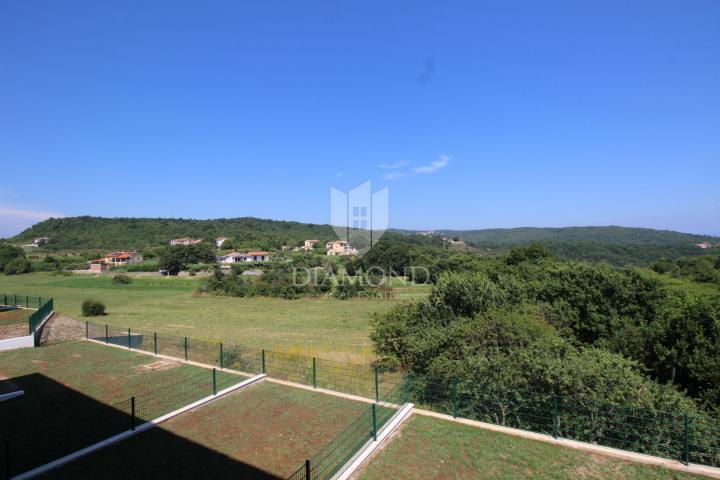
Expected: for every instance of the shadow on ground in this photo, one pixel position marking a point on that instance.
(52, 420)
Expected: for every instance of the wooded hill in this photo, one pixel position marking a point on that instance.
(616, 245)
(75, 233)
(606, 235)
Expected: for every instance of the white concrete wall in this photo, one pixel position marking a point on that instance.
(17, 342)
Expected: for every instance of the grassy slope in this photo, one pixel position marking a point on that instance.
(436, 449)
(333, 329)
(269, 428)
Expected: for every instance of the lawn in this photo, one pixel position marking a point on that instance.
(431, 448)
(261, 432)
(326, 328)
(70, 390)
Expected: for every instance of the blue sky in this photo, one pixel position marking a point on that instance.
(475, 114)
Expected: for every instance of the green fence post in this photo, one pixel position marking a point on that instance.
(107, 337)
(155, 342)
(556, 419)
(377, 386)
(221, 356)
(87, 330)
(307, 470)
(686, 449)
(129, 339)
(374, 422)
(39, 301)
(15, 303)
(186, 357)
(262, 357)
(453, 397)
(214, 382)
(314, 374)
(132, 413)
(27, 301)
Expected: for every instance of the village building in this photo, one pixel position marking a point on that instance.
(236, 257)
(38, 242)
(219, 241)
(704, 245)
(340, 248)
(115, 259)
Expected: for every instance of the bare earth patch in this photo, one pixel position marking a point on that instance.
(12, 331)
(160, 365)
(61, 328)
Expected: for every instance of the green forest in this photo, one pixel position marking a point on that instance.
(528, 321)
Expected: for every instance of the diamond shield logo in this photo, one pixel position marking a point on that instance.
(359, 218)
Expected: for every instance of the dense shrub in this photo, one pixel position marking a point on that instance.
(17, 265)
(93, 308)
(595, 311)
(121, 279)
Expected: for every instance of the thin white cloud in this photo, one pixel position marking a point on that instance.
(394, 175)
(441, 162)
(433, 167)
(27, 214)
(395, 166)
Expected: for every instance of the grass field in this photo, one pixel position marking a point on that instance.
(262, 432)
(431, 448)
(69, 389)
(333, 329)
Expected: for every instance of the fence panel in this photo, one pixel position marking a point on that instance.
(285, 366)
(171, 345)
(242, 359)
(204, 351)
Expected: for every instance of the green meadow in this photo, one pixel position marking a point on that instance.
(327, 328)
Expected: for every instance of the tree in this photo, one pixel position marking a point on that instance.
(177, 257)
(17, 265)
(9, 252)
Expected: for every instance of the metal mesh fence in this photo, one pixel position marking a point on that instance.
(666, 434)
(21, 453)
(42, 306)
(23, 301)
(336, 454)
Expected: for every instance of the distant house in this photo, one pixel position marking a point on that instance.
(309, 244)
(219, 241)
(118, 258)
(704, 245)
(185, 241)
(38, 242)
(235, 257)
(231, 257)
(257, 256)
(340, 248)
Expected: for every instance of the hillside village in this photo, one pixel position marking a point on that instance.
(124, 258)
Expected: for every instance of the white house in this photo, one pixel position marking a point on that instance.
(704, 245)
(219, 241)
(235, 257)
(257, 256)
